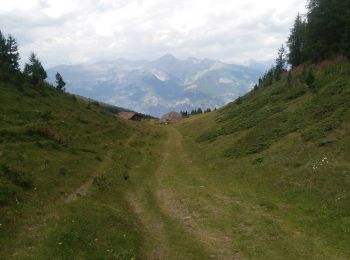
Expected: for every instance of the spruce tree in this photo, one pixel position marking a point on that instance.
(281, 63)
(35, 70)
(3, 50)
(60, 83)
(12, 53)
(326, 29)
(296, 42)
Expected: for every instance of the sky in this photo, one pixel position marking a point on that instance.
(81, 31)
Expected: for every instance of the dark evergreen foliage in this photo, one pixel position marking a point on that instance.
(296, 42)
(60, 82)
(281, 63)
(9, 55)
(324, 34)
(35, 70)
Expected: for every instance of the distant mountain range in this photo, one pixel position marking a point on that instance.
(156, 87)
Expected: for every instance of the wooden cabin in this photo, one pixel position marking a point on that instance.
(171, 117)
(129, 116)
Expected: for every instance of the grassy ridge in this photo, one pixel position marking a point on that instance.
(284, 151)
(54, 147)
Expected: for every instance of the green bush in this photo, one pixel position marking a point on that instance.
(17, 176)
(63, 171)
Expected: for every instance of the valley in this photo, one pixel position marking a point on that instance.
(175, 159)
(159, 86)
(141, 190)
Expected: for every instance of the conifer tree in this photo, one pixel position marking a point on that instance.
(326, 29)
(12, 53)
(3, 49)
(60, 83)
(9, 55)
(296, 42)
(35, 70)
(281, 63)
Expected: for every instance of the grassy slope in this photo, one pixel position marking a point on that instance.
(53, 147)
(277, 166)
(248, 181)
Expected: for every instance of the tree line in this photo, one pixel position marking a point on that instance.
(33, 70)
(196, 111)
(322, 33)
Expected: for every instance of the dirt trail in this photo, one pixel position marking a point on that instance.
(218, 244)
(83, 189)
(161, 211)
(155, 243)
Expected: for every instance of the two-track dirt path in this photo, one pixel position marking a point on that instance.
(171, 228)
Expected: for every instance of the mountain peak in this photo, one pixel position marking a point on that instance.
(167, 58)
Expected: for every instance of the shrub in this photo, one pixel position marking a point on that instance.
(17, 176)
(63, 171)
(101, 182)
(8, 192)
(238, 101)
(310, 79)
(46, 116)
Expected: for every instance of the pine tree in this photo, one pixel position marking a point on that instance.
(326, 29)
(3, 50)
(12, 53)
(281, 63)
(35, 70)
(60, 83)
(9, 55)
(296, 42)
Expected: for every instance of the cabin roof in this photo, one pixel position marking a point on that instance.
(126, 115)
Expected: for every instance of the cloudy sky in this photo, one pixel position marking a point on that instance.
(78, 31)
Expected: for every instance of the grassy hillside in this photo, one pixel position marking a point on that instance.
(266, 177)
(64, 171)
(280, 159)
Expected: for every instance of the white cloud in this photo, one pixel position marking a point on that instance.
(192, 87)
(75, 31)
(185, 101)
(225, 81)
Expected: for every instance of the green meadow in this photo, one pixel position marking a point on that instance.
(266, 177)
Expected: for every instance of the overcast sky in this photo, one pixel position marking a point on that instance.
(78, 31)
